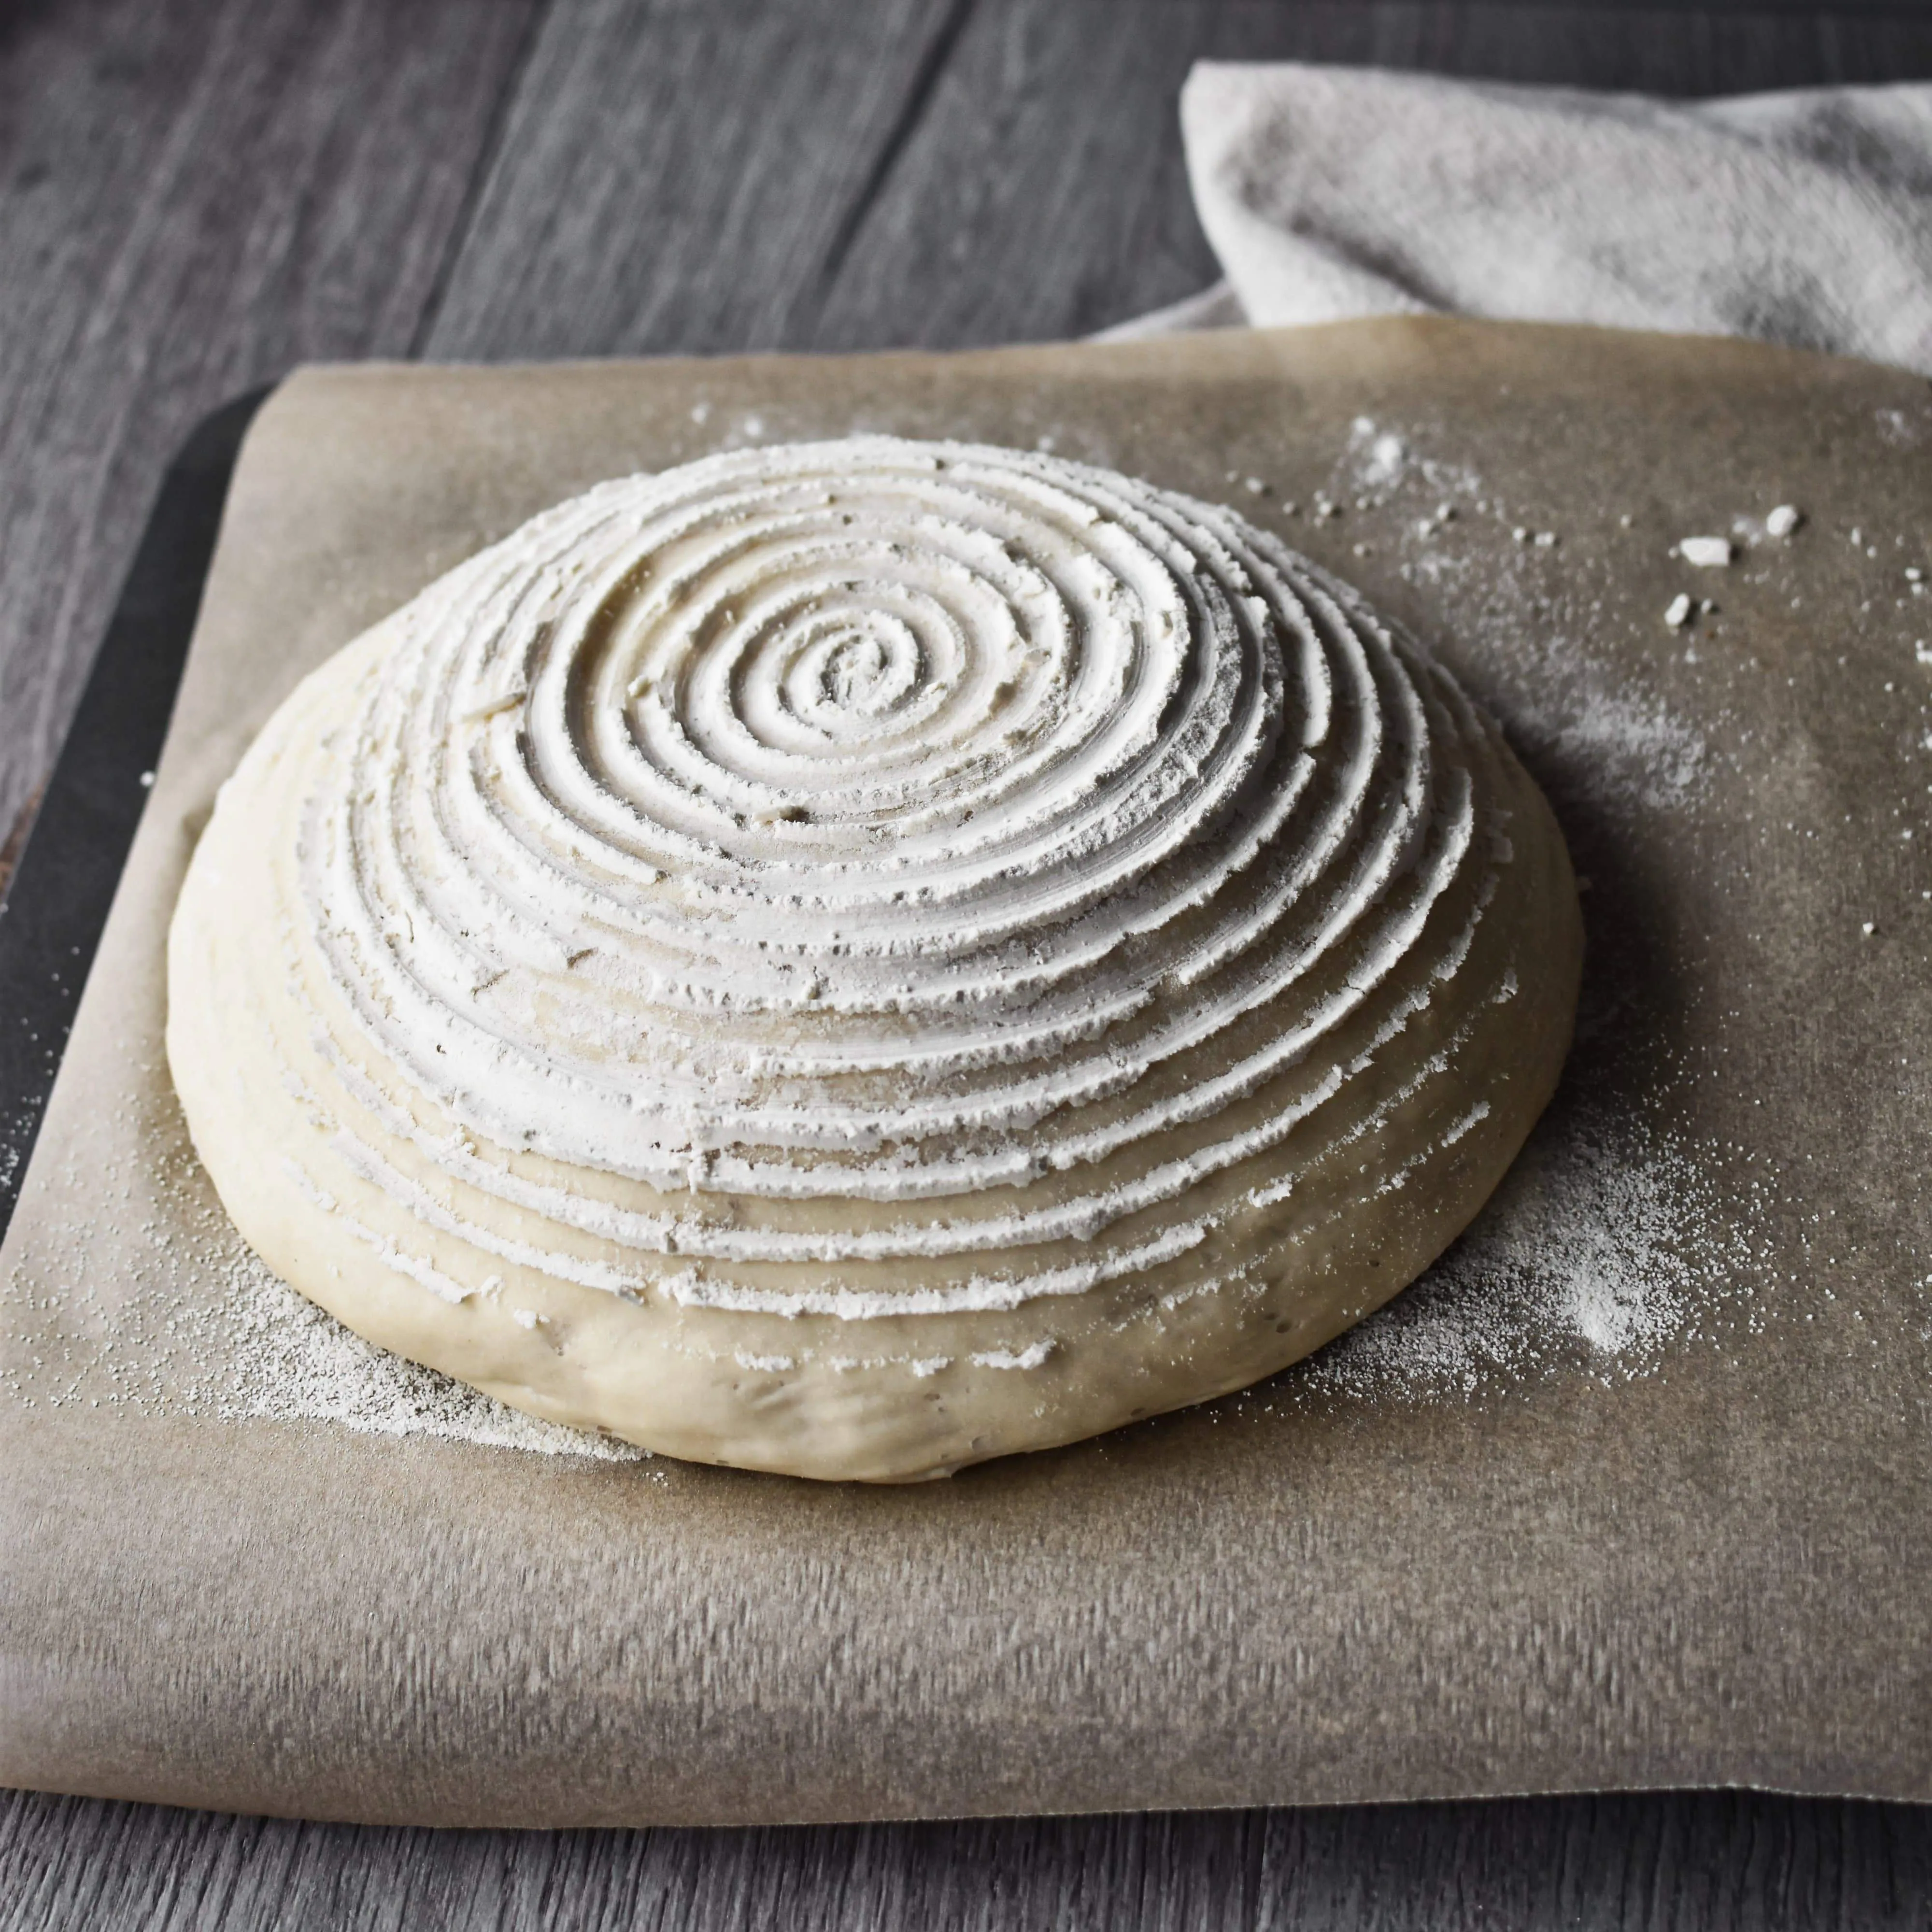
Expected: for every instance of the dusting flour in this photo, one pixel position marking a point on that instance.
(1634, 750)
(1621, 748)
(292, 1360)
(1593, 1253)
(208, 1330)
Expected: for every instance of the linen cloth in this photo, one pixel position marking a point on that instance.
(1802, 218)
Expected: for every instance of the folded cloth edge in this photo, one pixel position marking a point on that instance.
(1802, 217)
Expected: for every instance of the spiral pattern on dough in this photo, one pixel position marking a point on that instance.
(970, 833)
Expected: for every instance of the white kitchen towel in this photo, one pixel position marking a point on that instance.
(1802, 218)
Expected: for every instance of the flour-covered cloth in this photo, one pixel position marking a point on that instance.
(1802, 218)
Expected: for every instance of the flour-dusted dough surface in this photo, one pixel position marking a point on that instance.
(856, 957)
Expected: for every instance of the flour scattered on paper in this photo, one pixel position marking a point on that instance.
(291, 1360)
(1601, 1242)
(209, 1331)
(1625, 747)
(1634, 750)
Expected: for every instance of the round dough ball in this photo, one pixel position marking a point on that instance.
(855, 958)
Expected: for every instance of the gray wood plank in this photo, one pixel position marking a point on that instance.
(673, 174)
(1667, 49)
(1043, 193)
(193, 194)
(1646, 1865)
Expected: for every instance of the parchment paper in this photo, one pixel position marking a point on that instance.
(1634, 1491)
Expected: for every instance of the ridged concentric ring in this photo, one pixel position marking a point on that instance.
(866, 880)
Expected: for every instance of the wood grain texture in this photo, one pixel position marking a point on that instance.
(1637, 1864)
(676, 176)
(195, 193)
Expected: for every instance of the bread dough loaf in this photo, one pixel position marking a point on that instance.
(855, 958)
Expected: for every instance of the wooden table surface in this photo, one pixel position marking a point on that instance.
(195, 194)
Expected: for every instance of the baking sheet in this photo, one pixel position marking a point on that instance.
(1632, 1491)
